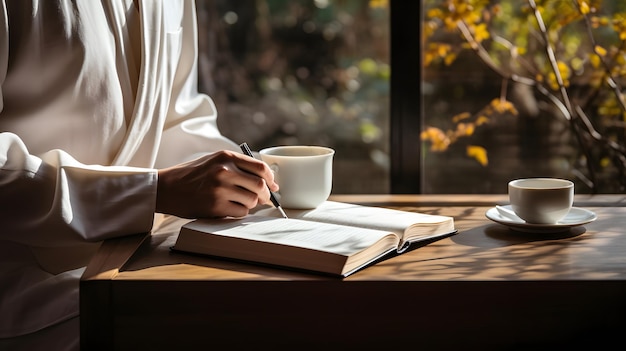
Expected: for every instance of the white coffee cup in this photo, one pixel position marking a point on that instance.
(541, 200)
(304, 174)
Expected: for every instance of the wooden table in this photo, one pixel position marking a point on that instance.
(486, 287)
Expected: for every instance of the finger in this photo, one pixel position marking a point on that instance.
(258, 168)
(254, 184)
(229, 200)
(245, 197)
(240, 186)
(231, 209)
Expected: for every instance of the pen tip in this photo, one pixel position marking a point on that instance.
(282, 212)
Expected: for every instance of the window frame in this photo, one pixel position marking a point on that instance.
(406, 108)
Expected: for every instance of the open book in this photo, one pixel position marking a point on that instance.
(335, 238)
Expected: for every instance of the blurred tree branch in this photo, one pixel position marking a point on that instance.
(476, 21)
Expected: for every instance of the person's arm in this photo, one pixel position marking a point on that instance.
(55, 196)
(221, 184)
(53, 200)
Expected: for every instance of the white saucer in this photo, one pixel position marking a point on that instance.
(575, 217)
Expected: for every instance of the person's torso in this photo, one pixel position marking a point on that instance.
(72, 75)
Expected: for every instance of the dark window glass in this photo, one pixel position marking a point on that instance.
(303, 72)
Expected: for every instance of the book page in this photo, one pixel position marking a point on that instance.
(368, 217)
(326, 237)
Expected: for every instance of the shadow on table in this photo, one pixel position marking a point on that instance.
(496, 235)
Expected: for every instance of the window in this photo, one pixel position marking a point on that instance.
(396, 88)
(523, 89)
(303, 72)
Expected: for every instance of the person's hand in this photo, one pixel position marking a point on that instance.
(218, 185)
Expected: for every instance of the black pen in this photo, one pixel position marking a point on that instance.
(246, 150)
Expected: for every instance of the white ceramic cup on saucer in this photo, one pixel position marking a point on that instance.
(541, 200)
(304, 174)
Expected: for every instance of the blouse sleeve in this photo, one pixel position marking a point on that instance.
(56, 196)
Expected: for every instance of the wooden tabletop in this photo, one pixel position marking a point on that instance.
(481, 250)
(486, 287)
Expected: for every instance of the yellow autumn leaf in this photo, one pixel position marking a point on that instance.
(584, 7)
(472, 17)
(434, 13)
(450, 23)
(438, 139)
(495, 103)
(478, 153)
(552, 81)
(449, 59)
(428, 29)
(442, 49)
(482, 120)
(503, 106)
(594, 60)
(600, 50)
(378, 3)
(462, 7)
(565, 74)
(481, 32)
(564, 69)
(461, 116)
(465, 129)
(440, 145)
(428, 58)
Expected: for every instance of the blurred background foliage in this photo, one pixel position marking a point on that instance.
(312, 72)
(517, 88)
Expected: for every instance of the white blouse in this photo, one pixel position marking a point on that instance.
(94, 96)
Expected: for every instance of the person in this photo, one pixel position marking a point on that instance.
(101, 127)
